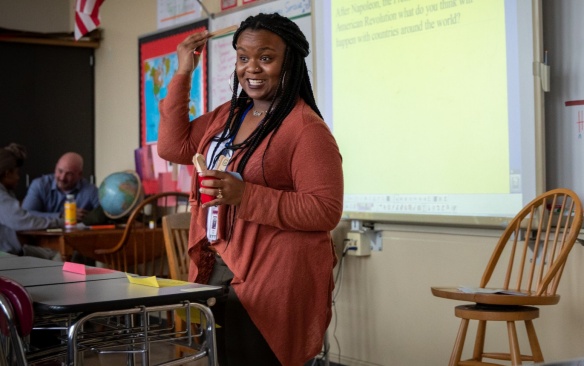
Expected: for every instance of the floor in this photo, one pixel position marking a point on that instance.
(160, 354)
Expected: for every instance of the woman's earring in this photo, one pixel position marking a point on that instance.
(283, 79)
(230, 81)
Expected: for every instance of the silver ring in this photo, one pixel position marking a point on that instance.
(220, 195)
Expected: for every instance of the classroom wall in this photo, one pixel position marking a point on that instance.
(117, 112)
(37, 16)
(384, 313)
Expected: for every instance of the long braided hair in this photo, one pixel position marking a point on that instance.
(294, 76)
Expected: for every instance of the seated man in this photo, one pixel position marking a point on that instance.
(14, 218)
(46, 195)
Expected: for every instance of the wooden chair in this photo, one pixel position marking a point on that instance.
(175, 228)
(523, 272)
(141, 250)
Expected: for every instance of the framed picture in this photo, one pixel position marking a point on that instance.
(158, 64)
(228, 4)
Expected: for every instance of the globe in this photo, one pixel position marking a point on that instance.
(120, 193)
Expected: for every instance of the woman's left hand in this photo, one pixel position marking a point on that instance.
(227, 189)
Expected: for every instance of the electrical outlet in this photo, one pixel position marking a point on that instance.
(360, 241)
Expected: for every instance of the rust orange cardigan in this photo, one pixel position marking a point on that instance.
(281, 251)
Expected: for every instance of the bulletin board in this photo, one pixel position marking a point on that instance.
(158, 63)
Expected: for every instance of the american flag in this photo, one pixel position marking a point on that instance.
(86, 16)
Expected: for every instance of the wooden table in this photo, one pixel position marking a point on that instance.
(84, 241)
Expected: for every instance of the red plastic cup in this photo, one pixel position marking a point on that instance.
(206, 197)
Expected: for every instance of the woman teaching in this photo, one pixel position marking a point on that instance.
(266, 231)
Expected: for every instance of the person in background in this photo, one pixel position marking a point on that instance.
(14, 218)
(265, 234)
(46, 195)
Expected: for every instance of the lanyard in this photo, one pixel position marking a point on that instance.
(226, 150)
(230, 142)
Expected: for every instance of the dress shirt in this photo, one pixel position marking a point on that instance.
(45, 199)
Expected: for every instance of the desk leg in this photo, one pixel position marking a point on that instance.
(209, 348)
(71, 344)
(210, 340)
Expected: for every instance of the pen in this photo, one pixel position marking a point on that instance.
(223, 31)
(98, 227)
(217, 33)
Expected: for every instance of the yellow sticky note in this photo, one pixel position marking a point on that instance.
(145, 281)
(155, 282)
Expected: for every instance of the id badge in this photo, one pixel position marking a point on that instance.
(212, 220)
(223, 161)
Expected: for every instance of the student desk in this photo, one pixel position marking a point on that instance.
(41, 276)
(113, 294)
(85, 241)
(117, 297)
(86, 297)
(11, 262)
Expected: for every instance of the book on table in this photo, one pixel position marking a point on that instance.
(482, 290)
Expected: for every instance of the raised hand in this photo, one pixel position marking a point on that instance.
(189, 52)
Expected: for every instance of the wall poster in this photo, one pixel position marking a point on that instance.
(158, 64)
(227, 4)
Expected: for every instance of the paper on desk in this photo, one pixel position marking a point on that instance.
(83, 269)
(152, 281)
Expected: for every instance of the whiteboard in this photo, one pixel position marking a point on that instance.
(435, 107)
(222, 55)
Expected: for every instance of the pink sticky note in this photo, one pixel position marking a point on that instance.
(74, 267)
(83, 269)
(97, 270)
